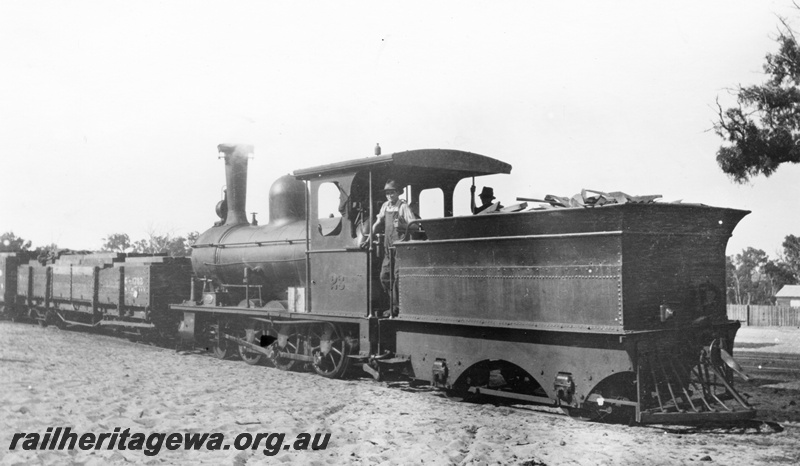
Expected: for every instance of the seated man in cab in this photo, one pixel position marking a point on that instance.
(486, 196)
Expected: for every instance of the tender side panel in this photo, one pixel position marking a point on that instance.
(566, 282)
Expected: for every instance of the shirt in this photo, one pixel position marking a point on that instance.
(388, 213)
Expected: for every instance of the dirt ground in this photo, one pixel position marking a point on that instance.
(769, 339)
(775, 395)
(94, 383)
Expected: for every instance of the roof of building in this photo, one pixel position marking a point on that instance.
(788, 291)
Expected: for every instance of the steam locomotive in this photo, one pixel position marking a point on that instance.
(610, 312)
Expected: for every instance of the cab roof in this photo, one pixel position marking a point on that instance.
(445, 162)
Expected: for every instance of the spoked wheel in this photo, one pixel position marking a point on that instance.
(253, 336)
(289, 341)
(329, 349)
(221, 348)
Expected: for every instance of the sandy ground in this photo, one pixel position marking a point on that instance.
(94, 383)
(769, 339)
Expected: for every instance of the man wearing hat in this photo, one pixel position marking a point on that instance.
(395, 215)
(486, 195)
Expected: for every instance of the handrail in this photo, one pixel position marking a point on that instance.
(250, 243)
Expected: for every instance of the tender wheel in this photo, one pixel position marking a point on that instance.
(620, 387)
(288, 342)
(252, 335)
(329, 349)
(479, 375)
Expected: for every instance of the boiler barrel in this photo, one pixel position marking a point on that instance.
(275, 255)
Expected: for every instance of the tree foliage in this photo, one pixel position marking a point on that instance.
(155, 243)
(117, 242)
(791, 256)
(763, 130)
(754, 278)
(9, 242)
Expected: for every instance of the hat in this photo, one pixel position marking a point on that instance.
(487, 192)
(392, 185)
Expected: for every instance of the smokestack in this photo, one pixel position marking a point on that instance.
(236, 156)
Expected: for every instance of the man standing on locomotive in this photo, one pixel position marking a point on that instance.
(395, 216)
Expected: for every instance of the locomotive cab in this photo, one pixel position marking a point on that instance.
(343, 280)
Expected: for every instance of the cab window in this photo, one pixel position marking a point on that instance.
(329, 208)
(431, 203)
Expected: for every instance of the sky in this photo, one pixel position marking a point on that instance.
(111, 112)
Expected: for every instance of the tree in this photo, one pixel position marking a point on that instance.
(734, 285)
(763, 130)
(753, 278)
(176, 246)
(790, 258)
(748, 282)
(117, 242)
(9, 242)
(778, 275)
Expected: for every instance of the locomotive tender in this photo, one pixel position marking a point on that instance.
(615, 311)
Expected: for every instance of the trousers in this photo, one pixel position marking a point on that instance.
(391, 289)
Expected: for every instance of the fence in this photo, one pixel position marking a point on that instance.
(764, 316)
